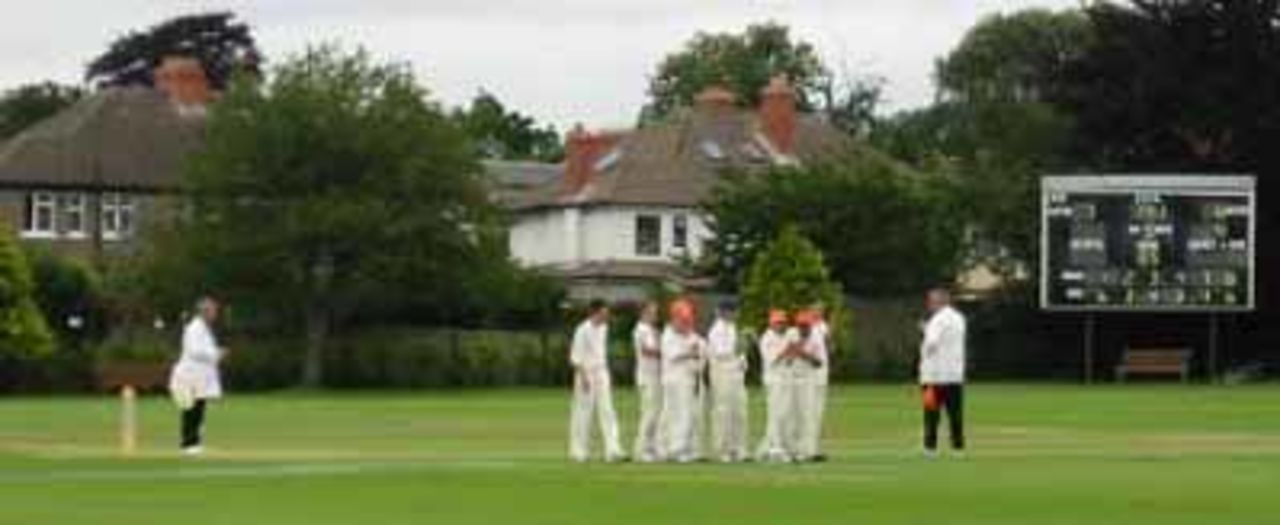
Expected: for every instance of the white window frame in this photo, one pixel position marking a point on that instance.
(657, 245)
(119, 216)
(37, 201)
(680, 232)
(68, 204)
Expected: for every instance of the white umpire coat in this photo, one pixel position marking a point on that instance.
(195, 376)
(942, 353)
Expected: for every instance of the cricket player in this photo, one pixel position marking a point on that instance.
(683, 360)
(776, 348)
(812, 373)
(648, 350)
(942, 367)
(592, 395)
(728, 388)
(194, 380)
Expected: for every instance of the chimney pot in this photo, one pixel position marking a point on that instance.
(183, 80)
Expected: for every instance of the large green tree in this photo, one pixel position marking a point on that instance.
(224, 46)
(1018, 57)
(885, 229)
(331, 186)
(501, 133)
(25, 105)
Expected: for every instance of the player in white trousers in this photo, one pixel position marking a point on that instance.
(812, 373)
(728, 388)
(592, 394)
(683, 359)
(777, 346)
(648, 445)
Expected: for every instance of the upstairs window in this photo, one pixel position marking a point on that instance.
(118, 211)
(680, 231)
(41, 217)
(648, 235)
(71, 214)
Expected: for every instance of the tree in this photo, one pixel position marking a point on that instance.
(499, 133)
(223, 45)
(329, 187)
(885, 229)
(1019, 57)
(22, 328)
(742, 62)
(789, 273)
(26, 105)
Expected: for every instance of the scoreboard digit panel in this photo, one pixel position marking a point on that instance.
(1149, 243)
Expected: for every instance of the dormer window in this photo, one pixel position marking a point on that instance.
(711, 150)
(608, 161)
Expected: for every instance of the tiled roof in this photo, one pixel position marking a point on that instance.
(123, 138)
(678, 161)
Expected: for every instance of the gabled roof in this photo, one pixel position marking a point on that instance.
(678, 161)
(128, 138)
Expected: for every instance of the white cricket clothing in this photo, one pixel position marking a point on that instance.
(811, 389)
(592, 393)
(942, 354)
(728, 392)
(195, 376)
(648, 444)
(779, 441)
(683, 359)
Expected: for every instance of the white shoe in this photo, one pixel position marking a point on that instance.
(931, 453)
(196, 450)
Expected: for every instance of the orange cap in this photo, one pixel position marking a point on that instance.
(682, 311)
(777, 316)
(806, 317)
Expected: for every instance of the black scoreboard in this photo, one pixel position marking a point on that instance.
(1152, 243)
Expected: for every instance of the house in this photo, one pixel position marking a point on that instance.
(624, 213)
(86, 180)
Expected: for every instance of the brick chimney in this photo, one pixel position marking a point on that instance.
(583, 150)
(183, 80)
(778, 114)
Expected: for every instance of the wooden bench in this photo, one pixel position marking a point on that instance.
(1173, 361)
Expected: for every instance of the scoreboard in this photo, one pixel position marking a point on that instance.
(1180, 243)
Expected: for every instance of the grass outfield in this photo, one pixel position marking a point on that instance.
(1041, 455)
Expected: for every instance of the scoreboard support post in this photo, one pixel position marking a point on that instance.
(1213, 347)
(1090, 326)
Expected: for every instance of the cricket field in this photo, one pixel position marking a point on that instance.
(1040, 454)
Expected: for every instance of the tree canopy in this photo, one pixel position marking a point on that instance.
(743, 62)
(884, 229)
(500, 133)
(23, 331)
(222, 44)
(335, 182)
(25, 105)
(790, 273)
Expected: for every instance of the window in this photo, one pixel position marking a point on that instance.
(41, 219)
(117, 216)
(680, 231)
(648, 235)
(71, 214)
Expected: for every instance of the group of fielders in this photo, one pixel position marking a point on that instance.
(689, 384)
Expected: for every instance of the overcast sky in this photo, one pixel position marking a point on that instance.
(562, 61)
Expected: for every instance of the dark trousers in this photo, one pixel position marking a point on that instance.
(193, 424)
(950, 397)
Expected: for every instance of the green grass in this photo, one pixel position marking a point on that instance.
(1041, 455)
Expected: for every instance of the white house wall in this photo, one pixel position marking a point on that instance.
(603, 233)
